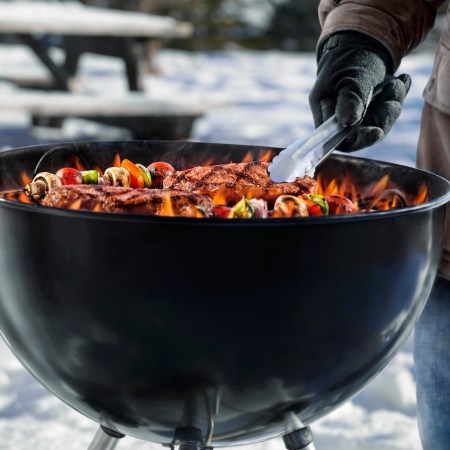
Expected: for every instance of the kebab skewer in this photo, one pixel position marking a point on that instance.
(128, 175)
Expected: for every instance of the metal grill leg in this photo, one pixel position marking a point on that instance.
(105, 439)
(301, 439)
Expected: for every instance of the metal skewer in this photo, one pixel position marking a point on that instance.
(13, 191)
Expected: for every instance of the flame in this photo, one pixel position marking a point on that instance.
(344, 187)
(79, 165)
(421, 196)
(97, 208)
(265, 155)
(25, 178)
(24, 198)
(381, 195)
(208, 162)
(248, 157)
(380, 186)
(116, 161)
(166, 208)
(76, 205)
(98, 169)
(220, 197)
(198, 213)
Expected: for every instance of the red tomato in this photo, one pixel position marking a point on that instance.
(315, 210)
(339, 204)
(159, 170)
(223, 211)
(67, 175)
(136, 178)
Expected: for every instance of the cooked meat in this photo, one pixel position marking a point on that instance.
(233, 181)
(153, 202)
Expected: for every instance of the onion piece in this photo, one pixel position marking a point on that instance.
(290, 206)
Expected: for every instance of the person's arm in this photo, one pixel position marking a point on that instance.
(361, 43)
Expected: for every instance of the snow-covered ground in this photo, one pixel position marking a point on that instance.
(254, 98)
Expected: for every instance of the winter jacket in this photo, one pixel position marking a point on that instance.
(400, 25)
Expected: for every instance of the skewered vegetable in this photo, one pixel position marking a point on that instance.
(41, 184)
(317, 205)
(338, 204)
(223, 211)
(290, 206)
(146, 175)
(244, 209)
(68, 176)
(136, 178)
(90, 177)
(159, 170)
(117, 176)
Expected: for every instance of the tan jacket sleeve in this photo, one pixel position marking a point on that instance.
(400, 25)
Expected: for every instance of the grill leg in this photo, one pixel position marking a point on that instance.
(301, 439)
(105, 439)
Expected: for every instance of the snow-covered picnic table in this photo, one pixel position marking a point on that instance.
(85, 28)
(75, 18)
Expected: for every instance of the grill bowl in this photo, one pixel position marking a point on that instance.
(148, 324)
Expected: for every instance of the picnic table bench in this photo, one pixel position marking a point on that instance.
(146, 118)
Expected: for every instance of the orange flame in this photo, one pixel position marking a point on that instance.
(24, 198)
(98, 169)
(265, 155)
(220, 197)
(344, 187)
(166, 208)
(248, 157)
(208, 162)
(380, 186)
(25, 178)
(116, 161)
(97, 208)
(421, 196)
(79, 165)
(76, 205)
(385, 195)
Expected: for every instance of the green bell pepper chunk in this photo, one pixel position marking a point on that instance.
(320, 200)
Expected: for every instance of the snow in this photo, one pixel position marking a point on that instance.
(254, 98)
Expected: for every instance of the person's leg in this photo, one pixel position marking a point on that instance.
(432, 363)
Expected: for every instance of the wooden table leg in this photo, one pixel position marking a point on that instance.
(60, 74)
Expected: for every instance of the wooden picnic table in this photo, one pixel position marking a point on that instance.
(84, 28)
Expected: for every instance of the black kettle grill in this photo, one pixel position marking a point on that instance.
(208, 333)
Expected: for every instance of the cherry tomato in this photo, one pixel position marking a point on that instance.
(315, 210)
(67, 175)
(159, 170)
(136, 178)
(339, 204)
(223, 211)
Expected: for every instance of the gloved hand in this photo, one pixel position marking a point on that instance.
(350, 66)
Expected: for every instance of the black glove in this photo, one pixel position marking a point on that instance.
(350, 66)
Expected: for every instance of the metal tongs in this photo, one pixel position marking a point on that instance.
(305, 154)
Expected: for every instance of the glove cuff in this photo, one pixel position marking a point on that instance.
(357, 40)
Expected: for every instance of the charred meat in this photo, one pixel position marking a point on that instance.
(234, 181)
(155, 202)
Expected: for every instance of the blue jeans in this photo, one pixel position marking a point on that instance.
(432, 363)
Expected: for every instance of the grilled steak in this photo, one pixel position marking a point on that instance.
(228, 183)
(153, 202)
